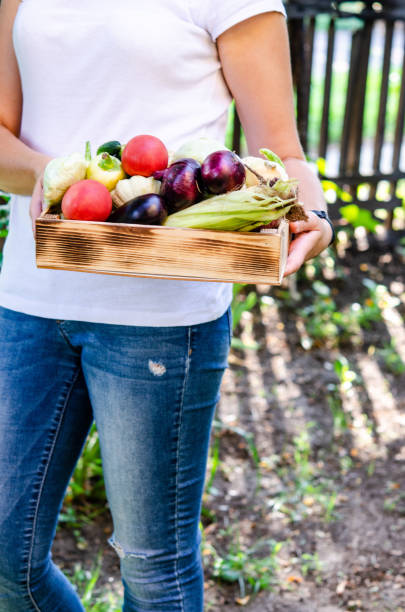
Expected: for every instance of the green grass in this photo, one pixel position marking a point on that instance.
(3, 220)
(326, 324)
(305, 491)
(86, 487)
(93, 599)
(392, 360)
(253, 569)
(311, 565)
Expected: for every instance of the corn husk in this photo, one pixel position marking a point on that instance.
(241, 211)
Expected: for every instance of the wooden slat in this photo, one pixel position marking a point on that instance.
(309, 52)
(161, 252)
(354, 179)
(399, 127)
(354, 113)
(301, 44)
(382, 108)
(324, 136)
(370, 205)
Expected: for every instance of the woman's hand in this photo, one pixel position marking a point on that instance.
(313, 236)
(310, 238)
(38, 191)
(36, 200)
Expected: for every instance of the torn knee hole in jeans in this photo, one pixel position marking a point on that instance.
(122, 553)
(153, 555)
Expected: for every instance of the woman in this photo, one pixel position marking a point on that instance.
(144, 357)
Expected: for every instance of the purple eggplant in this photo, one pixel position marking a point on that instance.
(148, 209)
(180, 184)
(222, 171)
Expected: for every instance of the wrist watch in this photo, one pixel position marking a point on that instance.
(324, 215)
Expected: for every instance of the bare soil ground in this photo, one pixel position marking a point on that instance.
(307, 457)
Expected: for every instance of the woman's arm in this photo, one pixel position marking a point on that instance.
(20, 166)
(255, 60)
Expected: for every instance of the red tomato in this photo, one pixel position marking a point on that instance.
(144, 155)
(87, 200)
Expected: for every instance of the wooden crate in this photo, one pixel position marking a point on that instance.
(162, 252)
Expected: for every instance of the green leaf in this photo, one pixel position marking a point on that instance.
(4, 198)
(237, 343)
(326, 185)
(87, 155)
(226, 573)
(271, 156)
(344, 196)
(359, 217)
(108, 162)
(239, 307)
(320, 288)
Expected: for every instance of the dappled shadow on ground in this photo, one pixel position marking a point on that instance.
(327, 416)
(307, 452)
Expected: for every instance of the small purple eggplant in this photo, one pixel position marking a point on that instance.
(148, 209)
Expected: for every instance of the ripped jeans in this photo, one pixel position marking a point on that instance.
(152, 392)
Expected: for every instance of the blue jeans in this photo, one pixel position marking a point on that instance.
(152, 392)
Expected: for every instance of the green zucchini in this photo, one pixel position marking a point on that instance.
(112, 147)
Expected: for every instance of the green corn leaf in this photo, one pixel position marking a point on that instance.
(272, 157)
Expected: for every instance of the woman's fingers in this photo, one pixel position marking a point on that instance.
(313, 223)
(36, 202)
(301, 249)
(311, 238)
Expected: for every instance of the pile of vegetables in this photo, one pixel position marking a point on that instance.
(201, 185)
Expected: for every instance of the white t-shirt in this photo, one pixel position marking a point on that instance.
(101, 70)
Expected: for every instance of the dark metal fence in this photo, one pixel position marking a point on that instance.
(354, 156)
